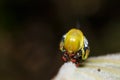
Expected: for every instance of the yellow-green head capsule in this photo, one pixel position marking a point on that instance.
(75, 46)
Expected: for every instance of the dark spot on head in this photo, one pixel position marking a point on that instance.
(99, 69)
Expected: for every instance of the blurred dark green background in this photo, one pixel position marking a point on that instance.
(30, 32)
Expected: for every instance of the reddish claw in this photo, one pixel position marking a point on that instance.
(64, 59)
(73, 60)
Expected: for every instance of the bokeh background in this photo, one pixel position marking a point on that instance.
(30, 32)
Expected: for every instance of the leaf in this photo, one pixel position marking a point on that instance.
(105, 67)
